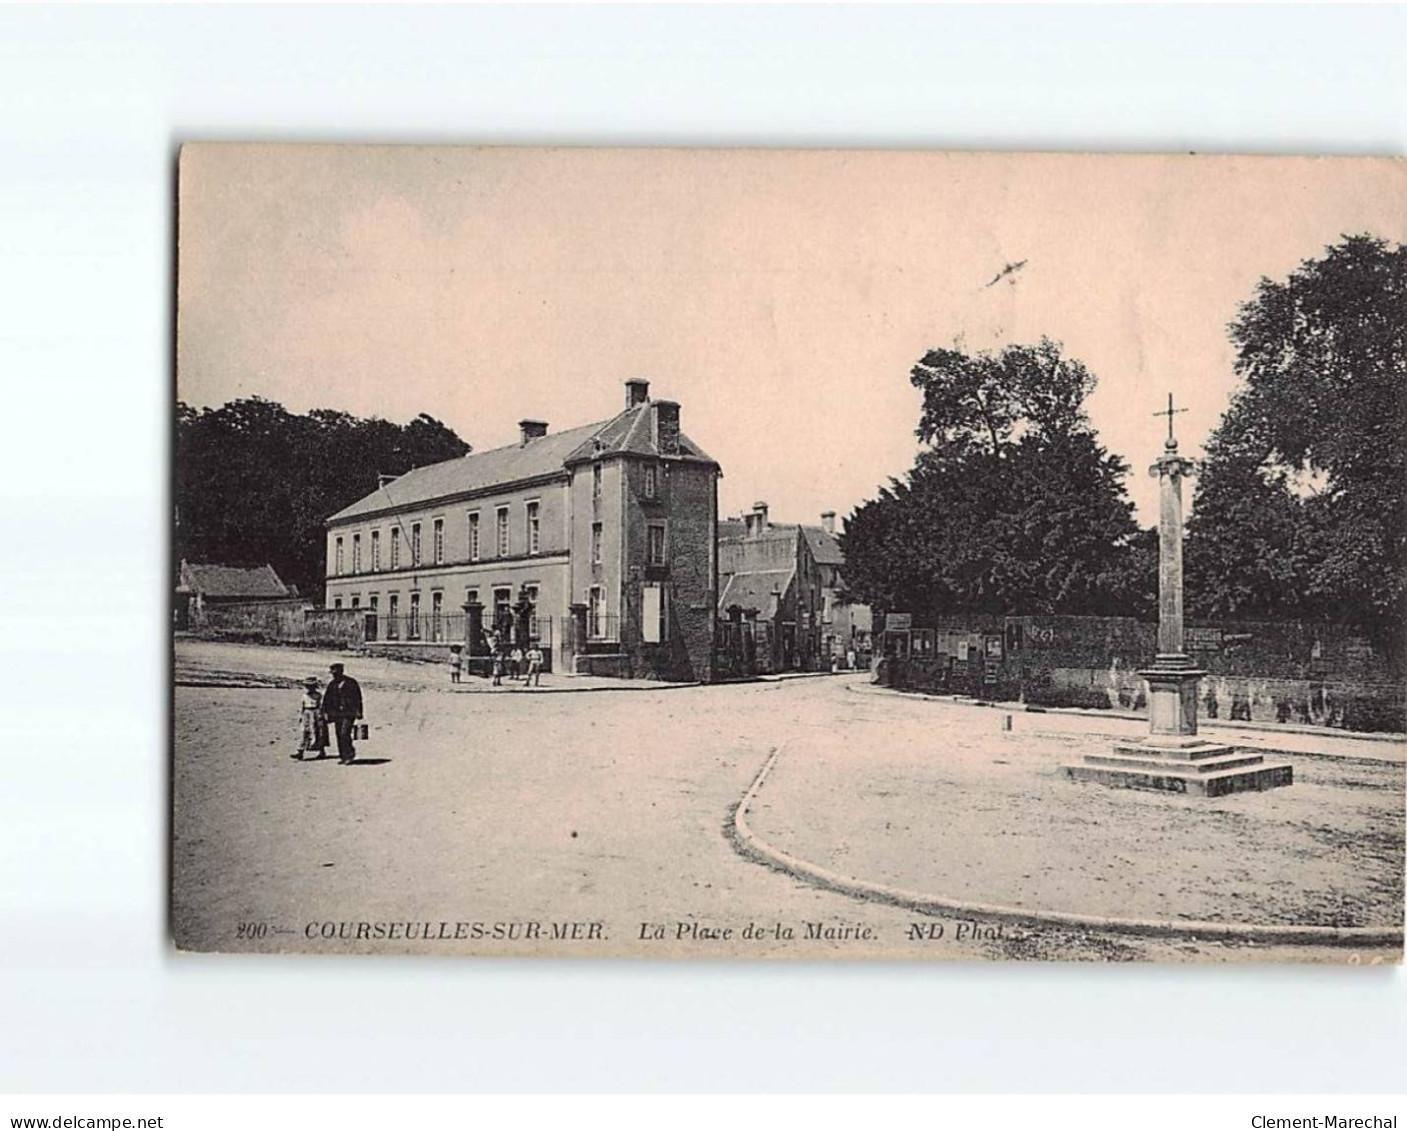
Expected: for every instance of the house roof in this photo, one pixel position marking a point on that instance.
(825, 548)
(759, 589)
(629, 432)
(233, 581)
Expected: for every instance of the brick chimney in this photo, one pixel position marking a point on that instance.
(637, 392)
(666, 427)
(828, 521)
(532, 429)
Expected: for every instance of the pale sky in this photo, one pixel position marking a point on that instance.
(780, 296)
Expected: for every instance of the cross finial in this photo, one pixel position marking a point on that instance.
(1171, 443)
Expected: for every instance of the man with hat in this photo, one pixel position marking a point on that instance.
(342, 707)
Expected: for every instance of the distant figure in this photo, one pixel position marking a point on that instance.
(312, 724)
(534, 665)
(516, 662)
(342, 707)
(456, 663)
(850, 659)
(497, 665)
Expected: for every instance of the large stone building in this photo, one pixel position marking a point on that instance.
(781, 596)
(600, 542)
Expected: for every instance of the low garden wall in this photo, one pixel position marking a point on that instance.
(1297, 672)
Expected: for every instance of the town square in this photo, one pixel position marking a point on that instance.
(625, 649)
(613, 804)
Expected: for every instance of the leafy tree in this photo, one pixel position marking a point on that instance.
(1012, 507)
(254, 483)
(1302, 505)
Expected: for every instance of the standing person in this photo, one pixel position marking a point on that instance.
(456, 662)
(312, 725)
(497, 664)
(516, 660)
(342, 706)
(534, 665)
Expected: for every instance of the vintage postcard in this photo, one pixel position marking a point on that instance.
(789, 554)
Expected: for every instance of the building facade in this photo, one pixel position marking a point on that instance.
(782, 599)
(598, 542)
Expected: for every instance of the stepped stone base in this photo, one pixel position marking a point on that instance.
(1205, 769)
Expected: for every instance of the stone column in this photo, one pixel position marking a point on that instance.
(473, 629)
(1172, 680)
(1170, 470)
(577, 638)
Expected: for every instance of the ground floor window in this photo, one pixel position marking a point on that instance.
(652, 618)
(596, 612)
(437, 614)
(413, 621)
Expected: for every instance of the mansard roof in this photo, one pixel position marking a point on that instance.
(545, 457)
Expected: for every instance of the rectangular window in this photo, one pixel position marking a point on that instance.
(503, 610)
(337, 602)
(596, 481)
(414, 544)
(337, 569)
(474, 536)
(413, 622)
(651, 484)
(395, 547)
(595, 613)
(356, 602)
(437, 613)
(375, 600)
(393, 625)
(502, 532)
(439, 549)
(534, 529)
(356, 553)
(595, 543)
(656, 545)
(375, 551)
(471, 596)
(651, 614)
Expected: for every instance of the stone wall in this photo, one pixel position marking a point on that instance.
(283, 621)
(1290, 672)
(272, 620)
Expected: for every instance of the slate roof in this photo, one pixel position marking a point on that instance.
(233, 581)
(825, 548)
(758, 589)
(630, 431)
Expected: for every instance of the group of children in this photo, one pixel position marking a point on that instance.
(519, 664)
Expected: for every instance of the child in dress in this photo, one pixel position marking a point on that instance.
(456, 662)
(312, 727)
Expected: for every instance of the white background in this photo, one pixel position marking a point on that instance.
(92, 105)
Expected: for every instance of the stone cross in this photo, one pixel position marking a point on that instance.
(1172, 758)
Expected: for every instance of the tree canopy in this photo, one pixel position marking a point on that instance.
(1301, 508)
(254, 483)
(1013, 506)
